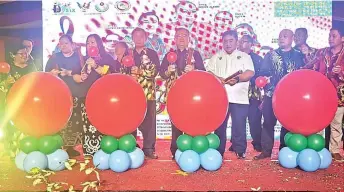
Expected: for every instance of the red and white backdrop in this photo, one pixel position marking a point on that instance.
(206, 20)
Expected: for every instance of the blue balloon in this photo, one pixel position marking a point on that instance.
(177, 155)
(211, 160)
(35, 159)
(56, 160)
(287, 158)
(189, 161)
(19, 160)
(119, 161)
(325, 158)
(101, 160)
(308, 160)
(137, 157)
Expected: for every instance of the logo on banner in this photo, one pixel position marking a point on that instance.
(102, 7)
(63, 8)
(122, 5)
(84, 7)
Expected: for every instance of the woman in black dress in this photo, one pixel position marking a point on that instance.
(67, 65)
(95, 67)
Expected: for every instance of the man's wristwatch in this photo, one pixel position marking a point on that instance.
(237, 78)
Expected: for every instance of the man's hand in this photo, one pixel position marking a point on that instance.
(135, 70)
(222, 80)
(232, 81)
(336, 69)
(171, 68)
(189, 68)
(304, 49)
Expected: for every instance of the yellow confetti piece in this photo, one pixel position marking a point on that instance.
(179, 172)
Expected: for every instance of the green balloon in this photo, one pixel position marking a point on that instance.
(214, 141)
(59, 140)
(184, 142)
(297, 142)
(127, 143)
(287, 137)
(316, 142)
(109, 144)
(47, 145)
(200, 144)
(28, 144)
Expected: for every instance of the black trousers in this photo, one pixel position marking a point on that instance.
(255, 122)
(175, 134)
(239, 113)
(268, 131)
(148, 128)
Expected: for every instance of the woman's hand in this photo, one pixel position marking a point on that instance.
(91, 62)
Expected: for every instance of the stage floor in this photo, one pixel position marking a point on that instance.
(160, 175)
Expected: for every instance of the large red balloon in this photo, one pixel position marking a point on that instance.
(39, 104)
(93, 51)
(116, 104)
(305, 102)
(172, 57)
(197, 103)
(4, 67)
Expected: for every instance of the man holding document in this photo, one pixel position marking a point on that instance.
(224, 64)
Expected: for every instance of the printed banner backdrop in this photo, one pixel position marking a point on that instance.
(205, 19)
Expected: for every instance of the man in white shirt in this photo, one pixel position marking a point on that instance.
(224, 64)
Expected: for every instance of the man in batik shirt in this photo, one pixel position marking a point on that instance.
(276, 65)
(188, 59)
(145, 70)
(300, 40)
(330, 62)
(255, 96)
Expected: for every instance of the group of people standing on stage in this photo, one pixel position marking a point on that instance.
(246, 100)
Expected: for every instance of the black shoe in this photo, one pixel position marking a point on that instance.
(262, 156)
(257, 148)
(72, 152)
(151, 156)
(241, 155)
(231, 148)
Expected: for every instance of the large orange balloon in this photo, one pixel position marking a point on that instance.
(116, 104)
(40, 104)
(197, 103)
(305, 102)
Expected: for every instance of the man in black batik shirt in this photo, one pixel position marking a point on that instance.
(276, 65)
(188, 59)
(255, 96)
(146, 68)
